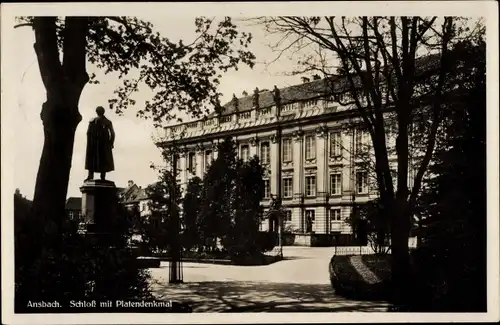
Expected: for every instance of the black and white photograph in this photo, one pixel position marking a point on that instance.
(188, 162)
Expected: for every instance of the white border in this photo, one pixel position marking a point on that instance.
(487, 9)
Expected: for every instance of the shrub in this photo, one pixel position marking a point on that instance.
(347, 282)
(288, 239)
(267, 240)
(69, 266)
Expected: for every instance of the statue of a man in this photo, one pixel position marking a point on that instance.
(100, 142)
(274, 202)
(255, 98)
(277, 96)
(236, 102)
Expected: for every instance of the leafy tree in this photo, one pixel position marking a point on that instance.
(182, 76)
(218, 195)
(191, 209)
(249, 192)
(454, 200)
(79, 268)
(376, 226)
(164, 203)
(375, 65)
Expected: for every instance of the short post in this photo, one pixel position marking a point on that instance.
(175, 275)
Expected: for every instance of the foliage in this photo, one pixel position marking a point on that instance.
(249, 192)
(348, 283)
(225, 205)
(191, 205)
(164, 200)
(374, 65)
(218, 194)
(182, 75)
(453, 259)
(75, 267)
(376, 224)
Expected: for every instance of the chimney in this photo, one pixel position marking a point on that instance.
(130, 183)
(305, 80)
(244, 93)
(316, 77)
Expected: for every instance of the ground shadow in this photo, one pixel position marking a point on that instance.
(245, 296)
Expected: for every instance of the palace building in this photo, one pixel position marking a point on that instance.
(315, 155)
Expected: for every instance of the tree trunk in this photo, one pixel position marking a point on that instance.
(59, 122)
(64, 83)
(400, 228)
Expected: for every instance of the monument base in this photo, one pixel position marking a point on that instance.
(99, 207)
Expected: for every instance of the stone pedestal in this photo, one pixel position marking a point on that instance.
(99, 203)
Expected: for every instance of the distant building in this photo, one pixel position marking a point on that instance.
(74, 208)
(132, 197)
(135, 197)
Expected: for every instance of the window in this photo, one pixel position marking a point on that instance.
(288, 215)
(335, 144)
(361, 141)
(192, 162)
(245, 152)
(70, 215)
(267, 189)
(335, 217)
(358, 141)
(264, 153)
(287, 187)
(362, 182)
(335, 184)
(208, 159)
(311, 185)
(178, 164)
(310, 216)
(287, 150)
(335, 214)
(310, 147)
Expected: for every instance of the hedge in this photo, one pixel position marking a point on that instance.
(347, 282)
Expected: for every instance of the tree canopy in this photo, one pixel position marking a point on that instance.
(376, 65)
(183, 76)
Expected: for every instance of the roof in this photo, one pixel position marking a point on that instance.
(300, 92)
(74, 203)
(133, 193)
(314, 89)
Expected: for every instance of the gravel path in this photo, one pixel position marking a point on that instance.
(298, 283)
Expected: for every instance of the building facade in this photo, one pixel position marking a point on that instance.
(313, 147)
(74, 208)
(134, 198)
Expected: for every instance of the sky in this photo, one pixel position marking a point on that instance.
(134, 149)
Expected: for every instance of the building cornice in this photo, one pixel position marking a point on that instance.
(332, 116)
